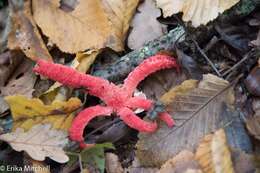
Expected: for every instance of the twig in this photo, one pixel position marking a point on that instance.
(120, 68)
(238, 63)
(211, 43)
(206, 57)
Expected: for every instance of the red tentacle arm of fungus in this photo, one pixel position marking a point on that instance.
(146, 68)
(119, 99)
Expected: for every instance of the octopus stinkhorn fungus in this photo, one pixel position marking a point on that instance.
(118, 99)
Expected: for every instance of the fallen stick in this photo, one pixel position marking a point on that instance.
(121, 67)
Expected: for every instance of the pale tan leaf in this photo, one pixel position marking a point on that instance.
(39, 142)
(145, 25)
(24, 34)
(91, 25)
(197, 11)
(184, 162)
(197, 111)
(213, 154)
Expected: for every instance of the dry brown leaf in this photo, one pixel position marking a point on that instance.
(39, 142)
(22, 80)
(197, 11)
(213, 154)
(5, 27)
(8, 63)
(3, 105)
(24, 34)
(253, 123)
(112, 163)
(119, 13)
(145, 25)
(253, 126)
(197, 112)
(91, 25)
(245, 162)
(184, 162)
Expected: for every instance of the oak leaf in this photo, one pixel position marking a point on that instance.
(198, 12)
(39, 142)
(28, 112)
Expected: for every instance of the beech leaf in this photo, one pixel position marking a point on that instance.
(39, 142)
(196, 110)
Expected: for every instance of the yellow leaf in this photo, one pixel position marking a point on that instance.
(28, 112)
(213, 154)
(197, 11)
(91, 25)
